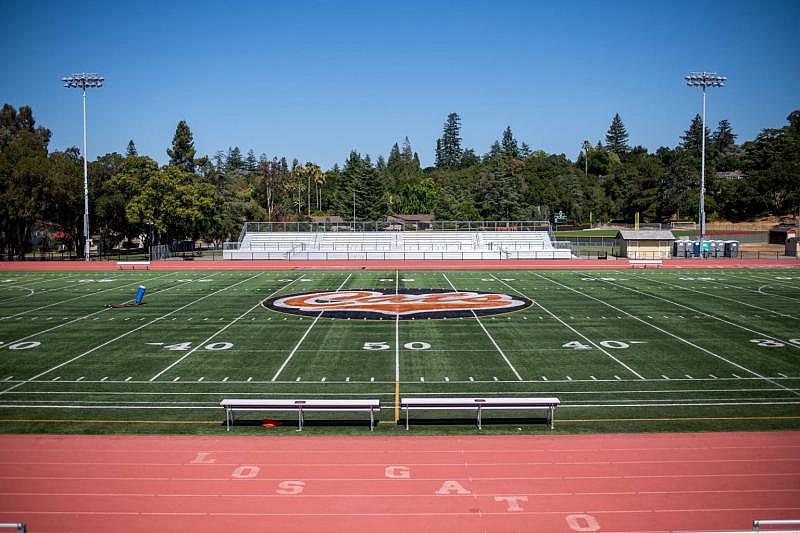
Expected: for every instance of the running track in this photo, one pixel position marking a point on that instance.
(549, 484)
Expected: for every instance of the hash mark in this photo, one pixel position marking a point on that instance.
(544, 378)
(323, 379)
(298, 378)
(471, 378)
(225, 378)
(782, 375)
(56, 378)
(446, 378)
(688, 376)
(201, 378)
(81, 378)
(712, 376)
(129, 378)
(372, 379)
(422, 378)
(104, 378)
(347, 378)
(736, 376)
(176, 379)
(665, 377)
(9, 378)
(250, 378)
(569, 378)
(594, 378)
(495, 378)
(618, 378)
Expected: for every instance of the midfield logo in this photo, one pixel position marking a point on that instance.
(406, 304)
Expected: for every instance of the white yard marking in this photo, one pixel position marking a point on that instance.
(81, 378)
(704, 293)
(446, 378)
(226, 326)
(347, 378)
(396, 331)
(662, 330)
(83, 318)
(176, 379)
(478, 320)
(708, 315)
(76, 298)
(587, 339)
(663, 376)
(226, 378)
(308, 330)
(87, 352)
(129, 378)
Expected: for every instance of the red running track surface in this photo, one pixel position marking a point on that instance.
(541, 264)
(551, 484)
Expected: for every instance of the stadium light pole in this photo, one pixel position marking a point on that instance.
(704, 80)
(83, 82)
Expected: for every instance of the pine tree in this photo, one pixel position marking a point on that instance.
(617, 137)
(182, 153)
(692, 138)
(448, 148)
(509, 146)
(131, 151)
(724, 139)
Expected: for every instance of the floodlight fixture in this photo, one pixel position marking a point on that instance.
(704, 80)
(84, 81)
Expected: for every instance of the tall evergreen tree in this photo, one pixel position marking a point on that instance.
(692, 138)
(448, 147)
(509, 145)
(617, 136)
(182, 153)
(131, 151)
(724, 139)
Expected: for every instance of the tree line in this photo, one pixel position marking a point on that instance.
(209, 197)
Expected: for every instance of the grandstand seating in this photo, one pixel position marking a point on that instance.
(454, 245)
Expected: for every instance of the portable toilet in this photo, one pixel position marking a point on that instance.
(732, 249)
(791, 247)
(696, 248)
(678, 249)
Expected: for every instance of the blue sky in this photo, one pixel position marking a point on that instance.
(313, 80)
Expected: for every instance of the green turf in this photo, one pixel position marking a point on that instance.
(624, 351)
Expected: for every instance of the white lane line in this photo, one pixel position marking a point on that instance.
(226, 326)
(576, 332)
(717, 295)
(681, 339)
(478, 320)
(714, 317)
(87, 352)
(79, 297)
(297, 346)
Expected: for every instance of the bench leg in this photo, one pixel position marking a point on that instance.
(300, 419)
(479, 417)
(371, 420)
(406, 418)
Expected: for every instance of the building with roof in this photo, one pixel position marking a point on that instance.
(646, 244)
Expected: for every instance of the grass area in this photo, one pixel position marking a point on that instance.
(669, 350)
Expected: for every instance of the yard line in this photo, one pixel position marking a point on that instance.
(92, 314)
(291, 354)
(81, 296)
(681, 339)
(37, 376)
(396, 350)
(209, 339)
(478, 320)
(576, 332)
(709, 315)
(717, 296)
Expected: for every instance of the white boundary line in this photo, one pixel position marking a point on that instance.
(229, 324)
(296, 346)
(478, 320)
(693, 310)
(37, 376)
(681, 339)
(81, 296)
(584, 337)
(639, 277)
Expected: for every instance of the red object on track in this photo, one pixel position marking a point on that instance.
(461, 484)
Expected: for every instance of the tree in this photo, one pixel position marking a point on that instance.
(724, 139)
(131, 151)
(182, 153)
(692, 138)
(448, 147)
(617, 137)
(509, 145)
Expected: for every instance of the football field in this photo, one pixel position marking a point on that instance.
(626, 350)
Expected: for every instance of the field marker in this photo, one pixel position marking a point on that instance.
(688, 376)
(250, 379)
(617, 377)
(201, 378)
(313, 323)
(495, 378)
(225, 379)
(372, 379)
(176, 379)
(446, 378)
(471, 378)
(81, 378)
(56, 378)
(298, 378)
(712, 376)
(323, 379)
(569, 378)
(229, 324)
(347, 379)
(544, 378)
(478, 320)
(8, 378)
(104, 378)
(593, 378)
(587, 339)
(665, 377)
(736, 376)
(781, 374)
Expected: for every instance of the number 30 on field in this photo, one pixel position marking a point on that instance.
(772, 343)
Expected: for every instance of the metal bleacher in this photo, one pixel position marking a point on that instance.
(342, 243)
